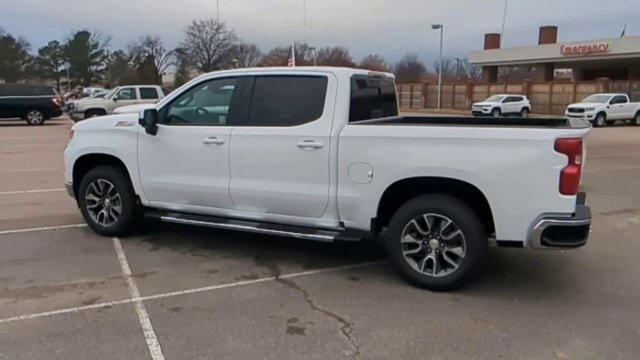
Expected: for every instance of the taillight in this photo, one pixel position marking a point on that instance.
(57, 101)
(570, 175)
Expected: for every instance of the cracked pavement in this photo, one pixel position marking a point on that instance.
(528, 305)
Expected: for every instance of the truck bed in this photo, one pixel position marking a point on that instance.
(466, 121)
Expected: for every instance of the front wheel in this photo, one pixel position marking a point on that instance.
(599, 121)
(107, 201)
(437, 242)
(495, 113)
(35, 117)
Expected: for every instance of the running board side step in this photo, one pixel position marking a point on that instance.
(298, 232)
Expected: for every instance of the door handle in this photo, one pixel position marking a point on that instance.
(213, 140)
(310, 144)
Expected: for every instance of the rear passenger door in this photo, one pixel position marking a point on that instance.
(280, 154)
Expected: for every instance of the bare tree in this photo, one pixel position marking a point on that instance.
(449, 73)
(374, 62)
(470, 71)
(149, 52)
(208, 44)
(245, 55)
(410, 69)
(279, 56)
(335, 56)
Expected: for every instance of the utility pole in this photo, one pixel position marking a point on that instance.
(304, 21)
(218, 11)
(441, 28)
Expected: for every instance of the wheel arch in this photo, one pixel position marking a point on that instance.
(87, 111)
(86, 162)
(403, 190)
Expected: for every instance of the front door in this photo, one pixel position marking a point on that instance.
(125, 96)
(280, 155)
(186, 165)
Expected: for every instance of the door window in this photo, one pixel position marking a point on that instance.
(207, 103)
(287, 100)
(372, 98)
(619, 99)
(148, 93)
(127, 94)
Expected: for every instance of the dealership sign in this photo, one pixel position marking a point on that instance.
(585, 49)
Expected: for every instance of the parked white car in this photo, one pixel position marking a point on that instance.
(503, 105)
(118, 97)
(605, 109)
(320, 153)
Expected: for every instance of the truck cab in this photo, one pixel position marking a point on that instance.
(120, 96)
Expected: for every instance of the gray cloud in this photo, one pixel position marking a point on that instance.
(391, 28)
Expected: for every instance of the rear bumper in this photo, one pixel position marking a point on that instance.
(562, 232)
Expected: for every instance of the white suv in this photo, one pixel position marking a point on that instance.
(503, 104)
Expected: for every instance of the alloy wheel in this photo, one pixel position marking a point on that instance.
(433, 245)
(103, 202)
(35, 117)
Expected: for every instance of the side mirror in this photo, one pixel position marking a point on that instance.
(116, 98)
(149, 121)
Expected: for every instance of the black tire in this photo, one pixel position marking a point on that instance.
(636, 119)
(600, 120)
(464, 218)
(93, 113)
(129, 214)
(496, 112)
(35, 117)
(524, 113)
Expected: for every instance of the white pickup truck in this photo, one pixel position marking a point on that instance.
(121, 96)
(605, 109)
(322, 154)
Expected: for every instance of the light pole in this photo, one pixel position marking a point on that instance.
(314, 53)
(441, 28)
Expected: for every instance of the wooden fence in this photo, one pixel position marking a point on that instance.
(546, 97)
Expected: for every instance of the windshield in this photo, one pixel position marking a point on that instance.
(596, 99)
(110, 94)
(495, 98)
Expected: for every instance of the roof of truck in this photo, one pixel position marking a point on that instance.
(330, 69)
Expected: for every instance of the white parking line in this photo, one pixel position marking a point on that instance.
(141, 310)
(44, 228)
(27, 145)
(35, 191)
(184, 292)
(30, 170)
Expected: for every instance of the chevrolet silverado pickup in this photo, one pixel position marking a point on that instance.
(323, 154)
(605, 109)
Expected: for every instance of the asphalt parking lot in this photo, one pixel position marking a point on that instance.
(181, 292)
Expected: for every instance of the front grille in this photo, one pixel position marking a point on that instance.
(576, 110)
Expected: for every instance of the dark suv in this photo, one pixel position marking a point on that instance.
(33, 103)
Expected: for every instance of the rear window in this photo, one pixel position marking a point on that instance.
(26, 90)
(148, 93)
(287, 100)
(372, 98)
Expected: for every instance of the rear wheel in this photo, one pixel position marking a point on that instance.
(636, 119)
(35, 117)
(437, 242)
(524, 113)
(495, 112)
(107, 201)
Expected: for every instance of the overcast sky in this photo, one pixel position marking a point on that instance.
(391, 28)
